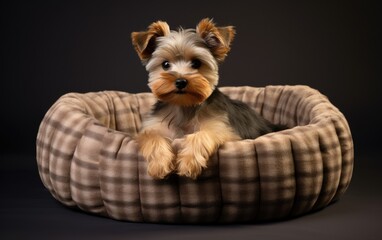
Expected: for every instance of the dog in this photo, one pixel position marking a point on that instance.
(183, 75)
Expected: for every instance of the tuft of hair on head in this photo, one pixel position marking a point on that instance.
(217, 39)
(144, 42)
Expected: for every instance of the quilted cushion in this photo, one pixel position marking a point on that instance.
(87, 158)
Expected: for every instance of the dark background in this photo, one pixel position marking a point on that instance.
(49, 48)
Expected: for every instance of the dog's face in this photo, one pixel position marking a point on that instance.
(183, 64)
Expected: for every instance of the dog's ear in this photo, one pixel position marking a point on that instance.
(144, 42)
(218, 39)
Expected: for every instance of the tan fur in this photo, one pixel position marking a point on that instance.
(199, 146)
(218, 38)
(196, 92)
(183, 114)
(144, 42)
(158, 152)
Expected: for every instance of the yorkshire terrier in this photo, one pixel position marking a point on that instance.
(183, 75)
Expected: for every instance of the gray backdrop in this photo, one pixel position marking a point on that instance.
(49, 48)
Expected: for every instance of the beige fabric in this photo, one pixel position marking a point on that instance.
(87, 158)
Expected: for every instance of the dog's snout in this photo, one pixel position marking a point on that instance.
(180, 83)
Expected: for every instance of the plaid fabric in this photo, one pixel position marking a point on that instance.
(87, 158)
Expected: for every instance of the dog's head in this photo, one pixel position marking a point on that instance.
(183, 64)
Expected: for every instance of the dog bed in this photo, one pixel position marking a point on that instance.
(88, 159)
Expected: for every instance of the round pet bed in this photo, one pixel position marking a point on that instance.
(87, 158)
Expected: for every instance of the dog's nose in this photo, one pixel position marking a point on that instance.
(180, 83)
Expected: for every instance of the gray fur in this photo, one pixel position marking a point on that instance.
(245, 121)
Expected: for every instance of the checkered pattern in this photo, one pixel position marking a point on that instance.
(87, 158)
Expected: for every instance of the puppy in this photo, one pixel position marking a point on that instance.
(183, 76)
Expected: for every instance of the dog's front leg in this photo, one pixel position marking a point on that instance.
(199, 146)
(155, 146)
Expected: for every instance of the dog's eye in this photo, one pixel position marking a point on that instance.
(166, 65)
(196, 63)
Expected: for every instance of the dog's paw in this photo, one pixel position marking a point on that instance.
(159, 154)
(190, 165)
(160, 163)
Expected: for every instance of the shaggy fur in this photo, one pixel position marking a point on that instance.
(183, 75)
